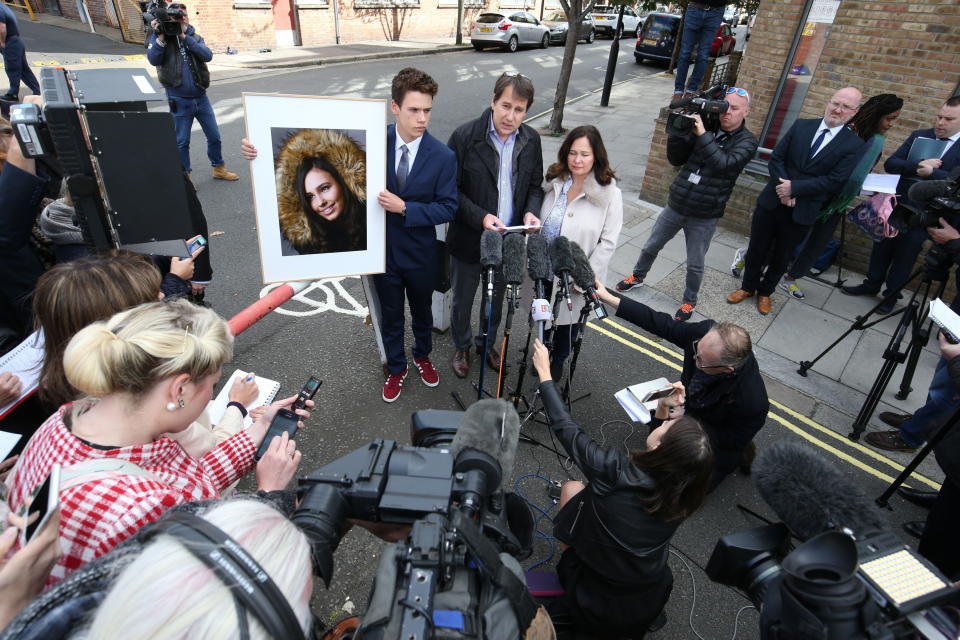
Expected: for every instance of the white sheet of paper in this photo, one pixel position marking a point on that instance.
(7, 442)
(268, 391)
(880, 183)
(24, 361)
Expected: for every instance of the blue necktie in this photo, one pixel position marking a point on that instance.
(403, 168)
(817, 143)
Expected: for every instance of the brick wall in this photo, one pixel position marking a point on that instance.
(908, 48)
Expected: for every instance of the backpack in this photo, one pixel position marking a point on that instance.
(872, 216)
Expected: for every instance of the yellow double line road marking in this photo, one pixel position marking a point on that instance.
(796, 422)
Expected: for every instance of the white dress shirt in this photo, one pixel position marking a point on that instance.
(831, 134)
(412, 148)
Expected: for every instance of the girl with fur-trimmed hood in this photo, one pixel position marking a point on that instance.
(321, 193)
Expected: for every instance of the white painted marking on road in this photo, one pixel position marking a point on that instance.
(331, 288)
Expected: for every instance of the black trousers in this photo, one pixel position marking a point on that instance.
(937, 544)
(417, 286)
(773, 236)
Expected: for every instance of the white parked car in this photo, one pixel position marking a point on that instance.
(605, 20)
(508, 30)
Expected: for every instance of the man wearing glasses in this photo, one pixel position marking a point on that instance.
(721, 379)
(711, 162)
(810, 163)
(499, 176)
(182, 70)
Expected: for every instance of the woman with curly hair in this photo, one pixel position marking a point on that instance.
(321, 193)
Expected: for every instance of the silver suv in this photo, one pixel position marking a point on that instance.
(605, 20)
(509, 31)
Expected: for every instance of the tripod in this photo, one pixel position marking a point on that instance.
(582, 323)
(486, 301)
(917, 459)
(512, 303)
(912, 317)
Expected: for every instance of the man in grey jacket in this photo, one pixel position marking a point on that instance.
(711, 162)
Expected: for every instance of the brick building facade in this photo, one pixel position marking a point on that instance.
(908, 48)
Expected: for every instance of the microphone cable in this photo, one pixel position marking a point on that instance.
(693, 604)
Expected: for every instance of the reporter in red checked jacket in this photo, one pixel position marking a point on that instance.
(724, 388)
(151, 370)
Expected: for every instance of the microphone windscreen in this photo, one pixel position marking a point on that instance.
(926, 190)
(582, 273)
(492, 427)
(809, 494)
(538, 263)
(514, 257)
(560, 257)
(491, 248)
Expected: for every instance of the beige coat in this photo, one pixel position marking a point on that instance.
(592, 220)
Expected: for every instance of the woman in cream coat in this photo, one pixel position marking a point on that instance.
(583, 204)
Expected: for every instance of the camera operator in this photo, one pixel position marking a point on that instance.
(892, 259)
(619, 525)
(721, 377)
(711, 162)
(942, 398)
(182, 70)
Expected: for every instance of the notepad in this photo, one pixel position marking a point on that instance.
(23, 361)
(631, 399)
(945, 318)
(925, 148)
(268, 391)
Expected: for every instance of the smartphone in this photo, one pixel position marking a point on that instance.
(196, 244)
(40, 506)
(665, 392)
(286, 419)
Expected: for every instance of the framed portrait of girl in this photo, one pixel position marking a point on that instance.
(321, 164)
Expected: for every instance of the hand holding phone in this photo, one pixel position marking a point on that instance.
(40, 506)
(285, 420)
(665, 392)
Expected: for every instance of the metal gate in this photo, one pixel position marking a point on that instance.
(130, 14)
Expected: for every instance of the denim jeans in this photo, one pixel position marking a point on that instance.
(200, 109)
(697, 231)
(17, 68)
(699, 30)
(942, 400)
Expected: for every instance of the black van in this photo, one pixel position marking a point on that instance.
(656, 37)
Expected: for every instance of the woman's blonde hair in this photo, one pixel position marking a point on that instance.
(138, 347)
(74, 294)
(168, 593)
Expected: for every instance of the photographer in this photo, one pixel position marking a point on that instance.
(619, 525)
(724, 388)
(182, 70)
(711, 162)
(942, 398)
(892, 259)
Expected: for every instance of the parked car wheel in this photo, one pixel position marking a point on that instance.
(639, 59)
(477, 46)
(591, 36)
(512, 44)
(545, 42)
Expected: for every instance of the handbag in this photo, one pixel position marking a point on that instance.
(873, 214)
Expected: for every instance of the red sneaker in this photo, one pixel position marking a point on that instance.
(393, 385)
(427, 371)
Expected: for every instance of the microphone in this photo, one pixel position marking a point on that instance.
(584, 278)
(538, 267)
(809, 494)
(514, 255)
(491, 255)
(926, 190)
(484, 448)
(562, 261)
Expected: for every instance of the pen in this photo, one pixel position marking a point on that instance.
(248, 378)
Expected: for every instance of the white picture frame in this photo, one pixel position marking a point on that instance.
(300, 236)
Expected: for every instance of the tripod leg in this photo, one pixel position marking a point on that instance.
(873, 399)
(917, 459)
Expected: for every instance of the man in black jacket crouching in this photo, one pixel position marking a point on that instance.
(721, 378)
(711, 163)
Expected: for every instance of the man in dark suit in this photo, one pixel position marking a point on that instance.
(499, 177)
(892, 259)
(809, 164)
(421, 193)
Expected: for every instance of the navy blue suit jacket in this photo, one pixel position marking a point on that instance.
(813, 181)
(897, 163)
(431, 197)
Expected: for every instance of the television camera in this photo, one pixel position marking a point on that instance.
(169, 17)
(708, 104)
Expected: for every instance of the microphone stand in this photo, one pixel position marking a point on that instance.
(486, 300)
(522, 369)
(512, 304)
(582, 323)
